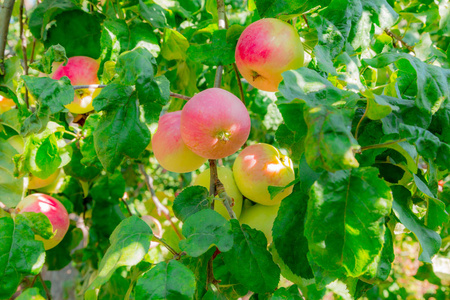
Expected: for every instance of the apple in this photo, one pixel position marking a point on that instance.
(265, 49)
(6, 104)
(226, 177)
(260, 217)
(214, 123)
(81, 70)
(259, 166)
(55, 212)
(170, 150)
(35, 182)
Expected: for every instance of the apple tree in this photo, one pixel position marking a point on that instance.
(212, 149)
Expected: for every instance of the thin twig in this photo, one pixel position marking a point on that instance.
(89, 86)
(238, 77)
(5, 17)
(127, 206)
(360, 121)
(381, 145)
(226, 200)
(398, 38)
(47, 292)
(173, 251)
(24, 49)
(179, 96)
(160, 208)
(34, 280)
(213, 177)
(33, 48)
(306, 20)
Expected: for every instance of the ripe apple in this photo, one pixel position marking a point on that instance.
(265, 49)
(6, 104)
(214, 123)
(55, 212)
(226, 177)
(37, 183)
(170, 150)
(81, 70)
(259, 166)
(260, 217)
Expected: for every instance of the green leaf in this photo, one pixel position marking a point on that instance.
(11, 188)
(60, 256)
(428, 84)
(229, 285)
(50, 93)
(136, 67)
(39, 223)
(345, 220)
(55, 53)
(153, 96)
(271, 9)
(154, 14)
(20, 254)
(77, 169)
(130, 241)
(174, 46)
(309, 86)
(205, 229)
(429, 240)
(290, 222)
(249, 261)
(329, 143)
(291, 293)
(109, 188)
(46, 12)
(199, 266)
(31, 294)
(120, 131)
(190, 201)
(78, 32)
(171, 281)
(380, 269)
(216, 53)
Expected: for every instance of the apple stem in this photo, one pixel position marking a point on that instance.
(160, 208)
(238, 78)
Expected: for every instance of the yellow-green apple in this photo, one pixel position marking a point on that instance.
(215, 123)
(265, 49)
(6, 104)
(55, 212)
(260, 217)
(226, 177)
(170, 150)
(35, 182)
(259, 166)
(81, 70)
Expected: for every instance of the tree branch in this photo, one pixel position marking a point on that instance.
(5, 17)
(400, 39)
(160, 208)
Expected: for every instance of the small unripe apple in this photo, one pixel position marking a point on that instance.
(215, 123)
(55, 212)
(226, 177)
(170, 150)
(259, 166)
(265, 49)
(260, 217)
(37, 183)
(6, 104)
(81, 70)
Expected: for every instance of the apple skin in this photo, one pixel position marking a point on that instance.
(226, 177)
(259, 166)
(55, 212)
(215, 123)
(260, 217)
(81, 70)
(265, 49)
(170, 150)
(6, 104)
(37, 183)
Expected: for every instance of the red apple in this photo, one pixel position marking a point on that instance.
(81, 70)
(265, 49)
(215, 123)
(55, 212)
(259, 166)
(170, 150)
